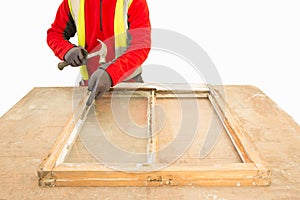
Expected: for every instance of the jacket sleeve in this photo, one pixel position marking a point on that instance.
(139, 45)
(61, 30)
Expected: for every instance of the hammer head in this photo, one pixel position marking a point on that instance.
(102, 53)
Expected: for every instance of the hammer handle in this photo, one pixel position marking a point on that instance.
(62, 65)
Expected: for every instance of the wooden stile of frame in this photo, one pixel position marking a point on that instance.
(251, 170)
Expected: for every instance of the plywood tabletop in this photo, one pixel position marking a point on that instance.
(29, 129)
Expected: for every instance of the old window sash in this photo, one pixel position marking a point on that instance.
(252, 171)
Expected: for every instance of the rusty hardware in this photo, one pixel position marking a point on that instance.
(160, 180)
(156, 179)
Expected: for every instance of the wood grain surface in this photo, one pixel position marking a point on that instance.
(30, 128)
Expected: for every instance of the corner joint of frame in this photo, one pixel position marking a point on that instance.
(46, 179)
(263, 177)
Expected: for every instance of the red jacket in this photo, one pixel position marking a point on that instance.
(99, 24)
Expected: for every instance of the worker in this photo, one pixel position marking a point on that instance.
(123, 25)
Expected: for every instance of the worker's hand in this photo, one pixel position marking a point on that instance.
(99, 83)
(75, 56)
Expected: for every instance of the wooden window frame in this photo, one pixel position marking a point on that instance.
(253, 171)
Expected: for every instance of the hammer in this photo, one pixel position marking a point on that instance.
(102, 53)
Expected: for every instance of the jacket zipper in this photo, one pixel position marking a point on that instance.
(101, 15)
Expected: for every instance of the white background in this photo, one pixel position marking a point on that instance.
(253, 42)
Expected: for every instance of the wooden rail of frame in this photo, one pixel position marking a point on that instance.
(251, 171)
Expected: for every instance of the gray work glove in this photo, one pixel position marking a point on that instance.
(75, 56)
(99, 83)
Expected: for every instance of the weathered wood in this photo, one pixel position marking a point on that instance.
(229, 175)
(58, 150)
(239, 137)
(29, 129)
(152, 146)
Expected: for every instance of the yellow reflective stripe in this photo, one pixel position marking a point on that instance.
(119, 28)
(81, 24)
(120, 25)
(79, 18)
(81, 37)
